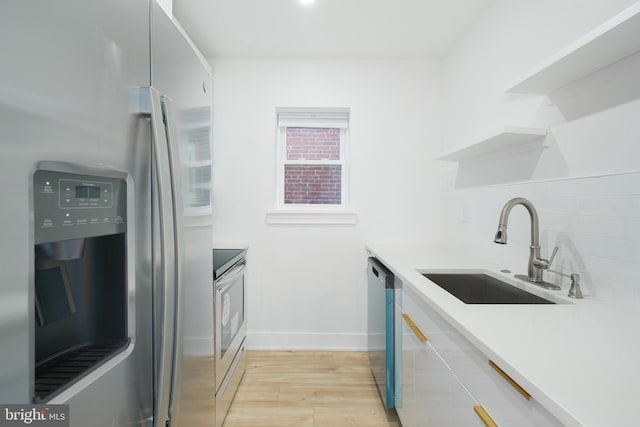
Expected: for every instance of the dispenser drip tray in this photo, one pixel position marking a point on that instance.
(55, 373)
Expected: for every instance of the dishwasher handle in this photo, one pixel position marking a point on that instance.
(380, 272)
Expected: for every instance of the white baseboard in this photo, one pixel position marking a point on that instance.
(306, 341)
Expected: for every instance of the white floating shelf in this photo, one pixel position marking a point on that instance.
(507, 137)
(614, 40)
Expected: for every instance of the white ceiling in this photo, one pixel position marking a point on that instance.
(326, 29)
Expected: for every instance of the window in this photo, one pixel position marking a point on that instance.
(312, 158)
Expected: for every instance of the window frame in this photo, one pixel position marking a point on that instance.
(312, 118)
(314, 213)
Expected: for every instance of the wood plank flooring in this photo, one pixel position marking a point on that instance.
(308, 389)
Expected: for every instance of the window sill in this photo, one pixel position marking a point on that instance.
(311, 216)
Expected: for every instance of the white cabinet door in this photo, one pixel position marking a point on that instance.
(406, 346)
(431, 393)
(506, 404)
(441, 401)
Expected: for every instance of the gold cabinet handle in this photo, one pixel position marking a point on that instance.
(510, 380)
(422, 337)
(484, 416)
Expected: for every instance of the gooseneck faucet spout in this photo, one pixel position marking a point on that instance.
(536, 264)
(501, 234)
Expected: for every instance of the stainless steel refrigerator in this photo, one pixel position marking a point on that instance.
(106, 299)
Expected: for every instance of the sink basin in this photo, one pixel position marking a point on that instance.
(479, 288)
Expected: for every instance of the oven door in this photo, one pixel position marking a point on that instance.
(230, 324)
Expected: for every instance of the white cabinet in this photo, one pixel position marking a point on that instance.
(428, 393)
(491, 387)
(405, 391)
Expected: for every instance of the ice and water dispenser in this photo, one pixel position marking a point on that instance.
(80, 276)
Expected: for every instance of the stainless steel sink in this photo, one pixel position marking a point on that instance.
(479, 288)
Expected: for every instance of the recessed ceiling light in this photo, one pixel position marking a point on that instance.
(307, 2)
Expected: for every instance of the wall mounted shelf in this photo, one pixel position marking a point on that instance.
(507, 137)
(614, 40)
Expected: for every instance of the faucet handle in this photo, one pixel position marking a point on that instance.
(544, 263)
(553, 255)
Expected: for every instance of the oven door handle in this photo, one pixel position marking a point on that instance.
(230, 276)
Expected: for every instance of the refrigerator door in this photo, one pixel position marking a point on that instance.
(66, 72)
(182, 76)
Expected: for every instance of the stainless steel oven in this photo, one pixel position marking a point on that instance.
(230, 325)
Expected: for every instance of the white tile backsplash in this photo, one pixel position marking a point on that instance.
(620, 206)
(595, 222)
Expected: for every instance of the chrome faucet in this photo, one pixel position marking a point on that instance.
(536, 264)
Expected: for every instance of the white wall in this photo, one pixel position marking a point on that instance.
(306, 284)
(585, 182)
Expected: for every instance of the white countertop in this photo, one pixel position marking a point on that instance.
(580, 359)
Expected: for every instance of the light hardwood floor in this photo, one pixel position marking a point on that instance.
(308, 389)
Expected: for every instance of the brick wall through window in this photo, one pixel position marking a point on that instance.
(313, 144)
(312, 183)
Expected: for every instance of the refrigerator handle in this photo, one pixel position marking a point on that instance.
(176, 187)
(150, 104)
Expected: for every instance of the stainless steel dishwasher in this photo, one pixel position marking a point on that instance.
(380, 334)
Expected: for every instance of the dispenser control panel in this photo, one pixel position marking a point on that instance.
(84, 194)
(71, 205)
